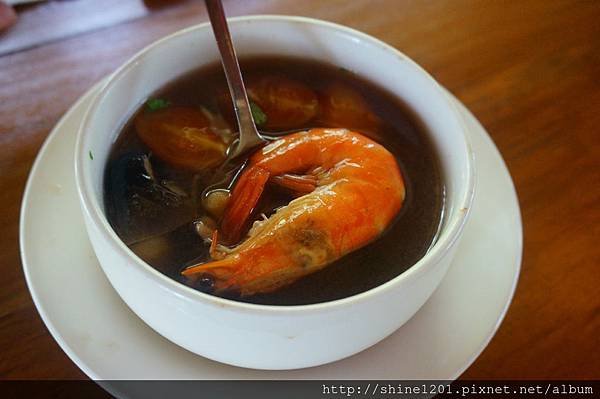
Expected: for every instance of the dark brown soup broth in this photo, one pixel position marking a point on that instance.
(153, 211)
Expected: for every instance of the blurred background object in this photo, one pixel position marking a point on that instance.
(29, 23)
(7, 16)
(15, 2)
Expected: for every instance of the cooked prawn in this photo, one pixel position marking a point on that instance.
(348, 188)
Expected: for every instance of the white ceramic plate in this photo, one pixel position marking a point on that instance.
(108, 341)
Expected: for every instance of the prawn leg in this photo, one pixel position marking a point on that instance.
(298, 185)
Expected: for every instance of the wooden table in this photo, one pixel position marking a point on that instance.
(529, 70)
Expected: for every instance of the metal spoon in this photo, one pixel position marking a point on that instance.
(249, 137)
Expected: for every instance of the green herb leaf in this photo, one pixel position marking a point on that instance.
(91, 155)
(260, 118)
(154, 104)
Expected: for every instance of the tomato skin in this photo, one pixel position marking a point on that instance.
(344, 107)
(287, 103)
(182, 137)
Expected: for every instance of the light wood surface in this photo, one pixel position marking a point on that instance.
(529, 70)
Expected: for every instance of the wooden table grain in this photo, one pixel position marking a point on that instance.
(529, 70)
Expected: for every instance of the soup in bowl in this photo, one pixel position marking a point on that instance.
(368, 171)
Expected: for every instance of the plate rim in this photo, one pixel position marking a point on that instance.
(56, 335)
(465, 112)
(88, 96)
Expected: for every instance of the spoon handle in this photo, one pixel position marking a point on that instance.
(249, 136)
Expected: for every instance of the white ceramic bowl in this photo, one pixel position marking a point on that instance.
(260, 336)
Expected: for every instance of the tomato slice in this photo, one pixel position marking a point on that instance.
(344, 107)
(182, 137)
(287, 103)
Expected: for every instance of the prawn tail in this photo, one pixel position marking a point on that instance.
(244, 198)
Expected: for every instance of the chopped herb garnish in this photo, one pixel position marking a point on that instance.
(91, 155)
(154, 104)
(260, 118)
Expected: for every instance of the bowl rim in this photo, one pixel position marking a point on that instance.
(91, 208)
